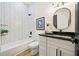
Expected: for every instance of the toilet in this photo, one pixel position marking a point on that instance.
(34, 46)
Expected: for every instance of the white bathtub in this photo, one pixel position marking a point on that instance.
(22, 44)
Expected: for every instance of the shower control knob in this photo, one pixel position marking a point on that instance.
(30, 36)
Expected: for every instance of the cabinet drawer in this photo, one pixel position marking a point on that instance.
(51, 51)
(65, 52)
(61, 43)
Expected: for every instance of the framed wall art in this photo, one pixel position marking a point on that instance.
(40, 23)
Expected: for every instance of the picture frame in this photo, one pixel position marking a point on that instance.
(40, 23)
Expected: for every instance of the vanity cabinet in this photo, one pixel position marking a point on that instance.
(56, 51)
(42, 46)
(55, 47)
(64, 52)
(52, 50)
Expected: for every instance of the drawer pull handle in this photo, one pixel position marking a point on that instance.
(56, 52)
(60, 52)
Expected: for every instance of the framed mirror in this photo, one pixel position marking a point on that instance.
(62, 18)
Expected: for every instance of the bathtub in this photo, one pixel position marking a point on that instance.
(13, 48)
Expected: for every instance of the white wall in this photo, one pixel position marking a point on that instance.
(15, 15)
(40, 9)
(47, 10)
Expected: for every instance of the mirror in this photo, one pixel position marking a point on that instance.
(62, 18)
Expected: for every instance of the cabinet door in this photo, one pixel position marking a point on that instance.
(64, 52)
(61, 43)
(42, 46)
(42, 51)
(52, 50)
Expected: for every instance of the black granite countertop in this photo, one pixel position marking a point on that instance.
(68, 36)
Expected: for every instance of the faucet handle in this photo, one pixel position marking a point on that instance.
(30, 36)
